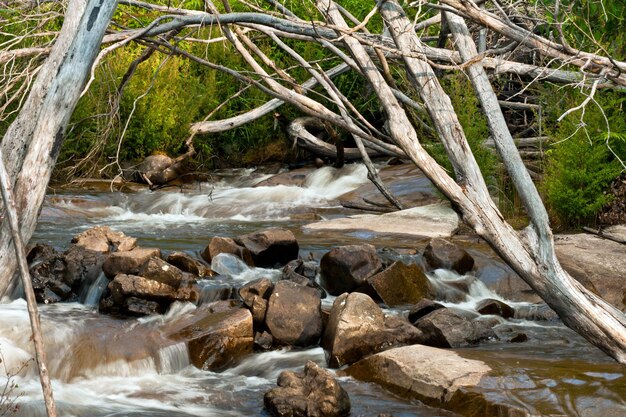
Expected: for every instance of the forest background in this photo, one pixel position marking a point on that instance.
(583, 154)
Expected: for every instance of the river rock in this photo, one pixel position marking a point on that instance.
(128, 262)
(82, 266)
(187, 263)
(124, 286)
(422, 308)
(226, 245)
(263, 340)
(216, 337)
(255, 295)
(294, 314)
(437, 377)
(401, 284)
(441, 253)
(312, 393)
(495, 307)
(444, 328)
(270, 247)
(156, 269)
(39, 252)
(159, 169)
(140, 307)
(295, 271)
(357, 327)
(598, 264)
(104, 240)
(346, 268)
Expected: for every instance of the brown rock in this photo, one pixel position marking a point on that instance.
(357, 327)
(104, 240)
(313, 393)
(270, 247)
(345, 268)
(496, 308)
(401, 284)
(158, 270)
(294, 314)
(441, 253)
(261, 287)
(226, 245)
(128, 262)
(124, 286)
(139, 307)
(187, 263)
(216, 339)
(445, 328)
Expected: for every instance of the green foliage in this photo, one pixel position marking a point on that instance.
(585, 157)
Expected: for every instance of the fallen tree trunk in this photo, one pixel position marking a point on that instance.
(33, 141)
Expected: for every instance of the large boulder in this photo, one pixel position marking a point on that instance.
(156, 269)
(219, 245)
(440, 378)
(294, 314)
(357, 327)
(270, 247)
(346, 268)
(444, 328)
(128, 262)
(312, 393)
(401, 284)
(104, 240)
(187, 263)
(598, 264)
(216, 336)
(441, 253)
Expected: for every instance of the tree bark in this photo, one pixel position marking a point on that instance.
(33, 141)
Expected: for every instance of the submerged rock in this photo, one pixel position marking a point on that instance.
(437, 377)
(270, 247)
(294, 314)
(312, 393)
(357, 327)
(216, 336)
(441, 253)
(346, 268)
(401, 284)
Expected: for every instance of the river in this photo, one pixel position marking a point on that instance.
(102, 366)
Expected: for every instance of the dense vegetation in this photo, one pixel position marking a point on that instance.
(167, 93)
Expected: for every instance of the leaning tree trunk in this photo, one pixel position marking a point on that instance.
(530, 253)
(32, 142)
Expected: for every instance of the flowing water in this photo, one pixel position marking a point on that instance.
(103, 366)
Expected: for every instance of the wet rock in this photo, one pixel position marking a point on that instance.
(156, 269)
(313, 393)
(124, 286)
(294, 314)
(82, 266)
(261, 287)
(401, 284)
(47, 296)
(496, 308)
(357, 327)
(218, 290)
(104, 240)
(226, 245)
(519, 338)
(295, 271)
(159, 169)
(40, 252)
(216, 337)
(270, 247)
(422, 308)
(45, 276)
(441, 253)
(188, 290)
(139, 307)
(128, 262)
(187, 263)
(228, 265)
(440, 378)
(263, 340)
(501, 279)
(345, 268)
(444, 328)
(535, 312)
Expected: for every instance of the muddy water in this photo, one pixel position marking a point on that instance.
(102, 366)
